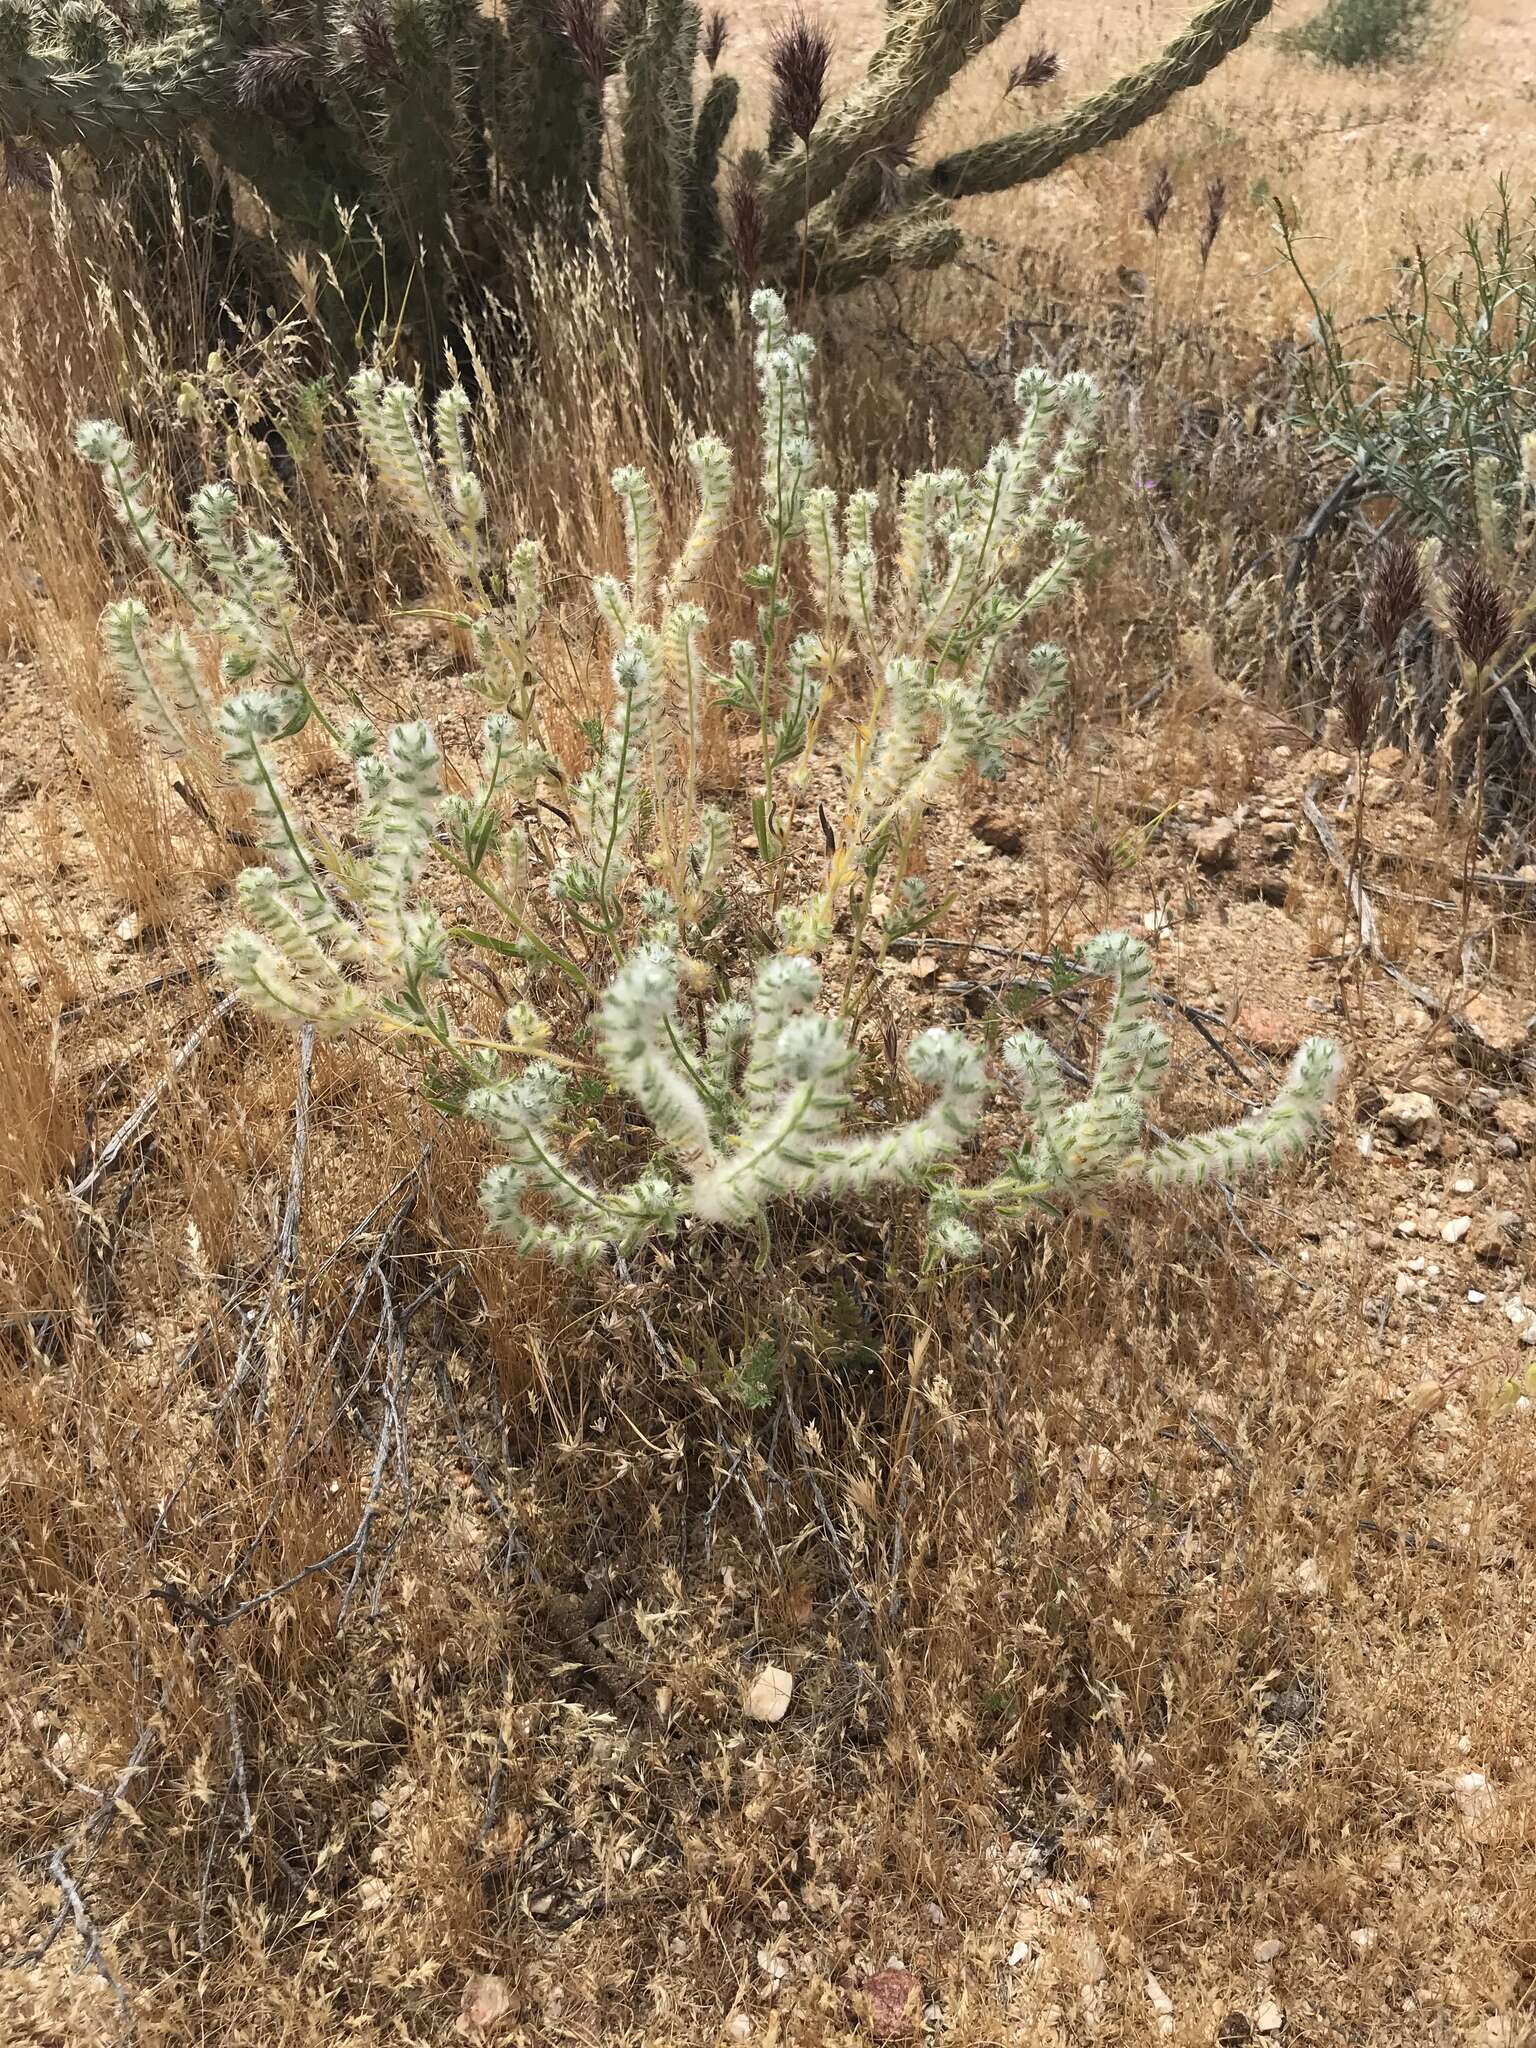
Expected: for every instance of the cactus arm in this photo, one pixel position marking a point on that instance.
(150, 96)
(925, 46)
(923, 239)
(421, 136)
(658, 119)
(1106, 117)
(702, 238)
(539, 110)
(161, 96)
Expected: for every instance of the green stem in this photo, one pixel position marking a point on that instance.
(551, 955)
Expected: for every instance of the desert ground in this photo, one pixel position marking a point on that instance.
(397, 1629)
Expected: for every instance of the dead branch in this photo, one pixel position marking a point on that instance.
(85, 1847)
(134, 1122)
(1468, 1038)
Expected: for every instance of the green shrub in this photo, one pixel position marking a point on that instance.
(1366, 34)
(1441, 414)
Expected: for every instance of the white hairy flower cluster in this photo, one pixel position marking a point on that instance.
(1077, 1148)
(931, 619)
(909, 622)
(310, 923)
(758, 1112)
(783, 360)
(755, 1114)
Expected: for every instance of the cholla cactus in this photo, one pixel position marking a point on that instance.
(385, 132)
(896, 654)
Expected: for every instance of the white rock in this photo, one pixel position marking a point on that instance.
(1269, 2019)
(1091, 1966)
(1215, 845)
(1266, 1951)
(1158, 1998)
(1500, 2030)
(1475, 1798)
(768, 1694)
(1414, 1117)
(1454, 1231)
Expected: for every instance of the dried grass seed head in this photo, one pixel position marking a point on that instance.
(1481, 618)
(278, 82)
(799, 56)
(586, 26)
(716, 34)
(1040, 67)
(744, 222)
(368, 47)
(1159, 199)
(1358, 696)
(1215, 214)
(1396, 592)
(25, 167)
(892, 161)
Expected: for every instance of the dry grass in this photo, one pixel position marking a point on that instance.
(1145, 1596)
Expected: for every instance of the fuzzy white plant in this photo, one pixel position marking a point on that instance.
(759, 1113)
(888, 632)
(732, 1143)
(1076, 1150)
